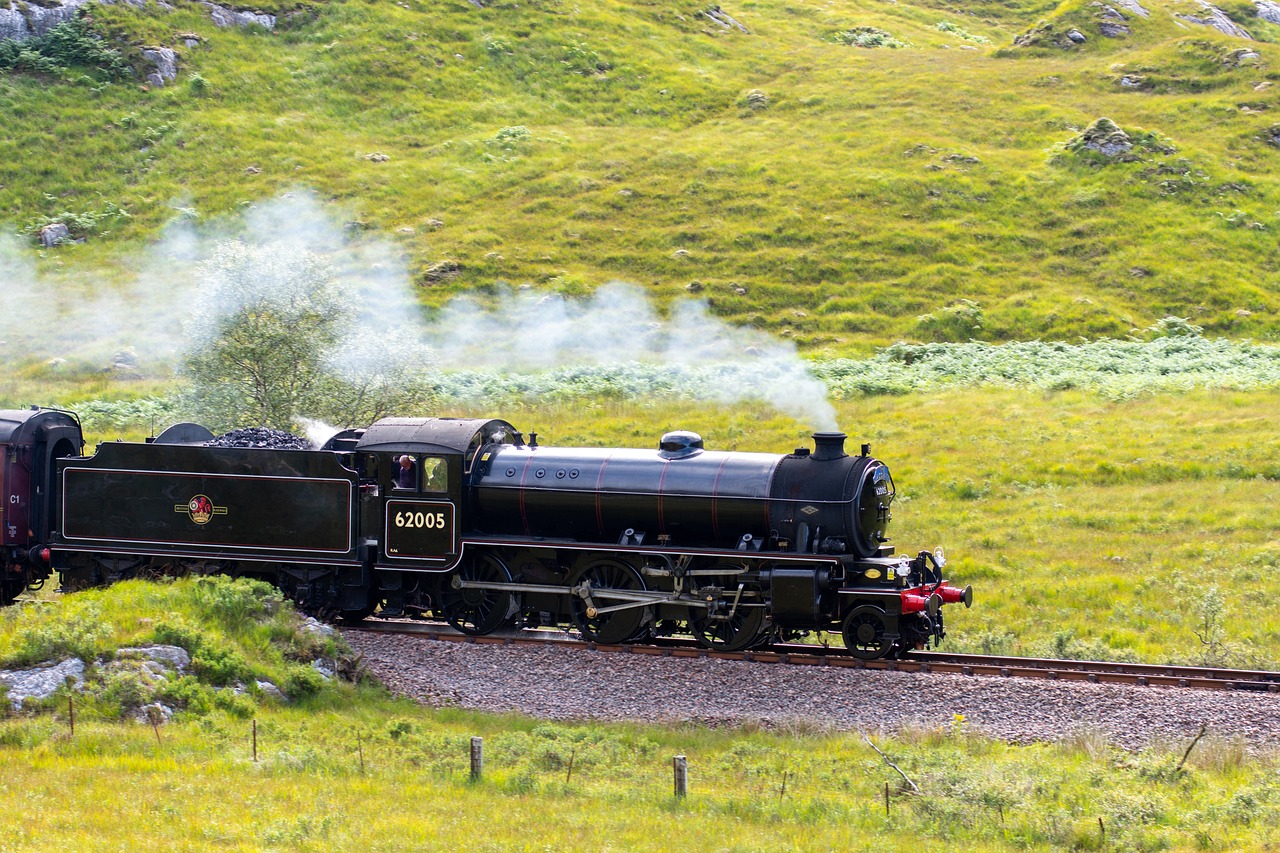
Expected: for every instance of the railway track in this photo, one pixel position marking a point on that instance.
(796, 654)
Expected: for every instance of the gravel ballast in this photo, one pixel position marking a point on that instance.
(571, 683)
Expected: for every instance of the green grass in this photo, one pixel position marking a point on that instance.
(870, 187)
(345, 767)
(842, 197)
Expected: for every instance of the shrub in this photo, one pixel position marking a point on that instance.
(948, 27)
(71, 44)
(959, 322)
(76, 629)
(80, 223)
(302, 681)
(867, 37)
(219, 665)
(581, 59)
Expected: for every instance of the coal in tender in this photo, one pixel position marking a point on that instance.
(271, 439)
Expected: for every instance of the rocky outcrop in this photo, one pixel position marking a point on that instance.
(41, 682)
(1241, 57)
(158, 659)
(20, 20)
(1105, 137)
(164, 65)
(1134, 7)
(1268, 11)
(716, 14)
(224, 17)
(1214, 17)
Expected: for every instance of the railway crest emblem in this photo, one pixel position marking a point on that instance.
(200, 509)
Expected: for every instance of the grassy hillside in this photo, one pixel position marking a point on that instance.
(801, 183)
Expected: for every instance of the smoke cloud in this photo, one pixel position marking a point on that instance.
(149, 316)
(531, 331)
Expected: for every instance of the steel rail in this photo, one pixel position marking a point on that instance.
(796, 654)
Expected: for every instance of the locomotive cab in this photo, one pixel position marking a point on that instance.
(420, 467)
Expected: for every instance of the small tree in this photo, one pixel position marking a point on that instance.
(1211, 628)
(264, 320)
(377, 373)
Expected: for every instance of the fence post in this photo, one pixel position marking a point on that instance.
(477, 758)
(255, 740)
(680, 766)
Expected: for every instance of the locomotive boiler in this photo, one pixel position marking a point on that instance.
(465, 520)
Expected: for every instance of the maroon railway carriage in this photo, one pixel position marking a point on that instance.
(31, 443)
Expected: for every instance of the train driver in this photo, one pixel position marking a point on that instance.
(406, 474)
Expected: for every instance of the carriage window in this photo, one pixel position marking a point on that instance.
(435, 474)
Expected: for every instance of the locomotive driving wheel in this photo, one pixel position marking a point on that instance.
(591, 585)
(866, 632)
(741, 617)
(475, 610)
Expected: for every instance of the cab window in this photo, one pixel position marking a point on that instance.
(404, 472)
(420, 473)
(435, 474)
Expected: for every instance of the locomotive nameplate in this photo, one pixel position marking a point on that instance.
(222, 511)
(420, 530)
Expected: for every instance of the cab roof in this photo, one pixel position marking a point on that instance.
(435, 435)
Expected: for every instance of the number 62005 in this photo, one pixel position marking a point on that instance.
(428, 520)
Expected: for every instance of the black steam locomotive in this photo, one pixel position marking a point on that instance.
(466, 520)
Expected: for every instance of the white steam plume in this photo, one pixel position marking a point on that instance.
(527, 331)
(55, 316)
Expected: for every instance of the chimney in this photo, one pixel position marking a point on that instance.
(828, 446)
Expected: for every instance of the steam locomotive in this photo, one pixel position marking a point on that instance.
(465, 520)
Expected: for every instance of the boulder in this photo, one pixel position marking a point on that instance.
(41, 682)
(1112, 30)
(1105, 137)
(266, 688)
(53, 234)
(1241, 56)
(311, 625)
(1076, 36)
(443, 271)
(168, 657)
(1268, 10)
(155, 713)
(165, 65)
